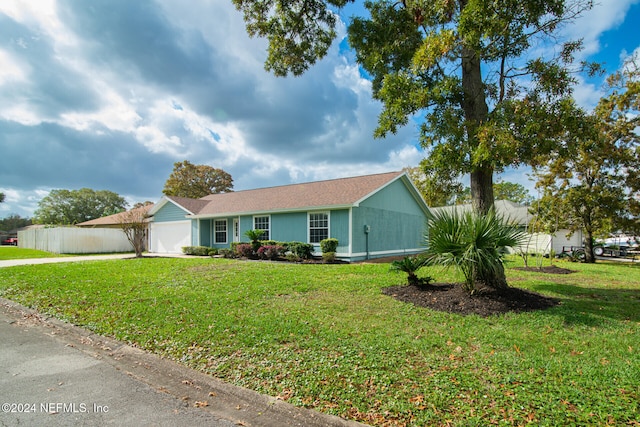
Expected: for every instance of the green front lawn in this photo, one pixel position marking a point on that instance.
(325, 337)
(14, 252)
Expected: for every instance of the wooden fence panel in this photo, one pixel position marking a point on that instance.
(75, 240)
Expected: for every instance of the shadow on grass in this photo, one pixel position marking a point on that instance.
(593, 306)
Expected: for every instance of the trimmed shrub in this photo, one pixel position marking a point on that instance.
(329, 245)
(291, 257)
(226, 253)
(213, 252)
(270, 252)
(244, 250)
(302, 250)
(196, 250)
(329, 257)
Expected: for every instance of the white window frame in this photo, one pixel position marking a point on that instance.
(268, 229)
(309, 227)
(216, 231)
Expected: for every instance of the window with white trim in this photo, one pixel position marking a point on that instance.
(318, 226)
(262, 223)
(220, 231)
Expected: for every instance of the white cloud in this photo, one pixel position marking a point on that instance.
(604, 16)
(137, 86)
(11, 69)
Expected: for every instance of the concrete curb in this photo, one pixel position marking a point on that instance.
(237, 404)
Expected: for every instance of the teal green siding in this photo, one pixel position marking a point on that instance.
(339, 229)
(289, 227)
(396, 220)
(246, 223)
(194, 232)
(170, 212)
(206, 227)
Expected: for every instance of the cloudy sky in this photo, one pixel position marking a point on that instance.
(108, 94)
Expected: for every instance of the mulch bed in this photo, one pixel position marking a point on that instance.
(484, 302)
(550, 269)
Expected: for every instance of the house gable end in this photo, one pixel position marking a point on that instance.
(170, 211)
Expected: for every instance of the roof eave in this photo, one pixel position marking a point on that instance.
(272, 211)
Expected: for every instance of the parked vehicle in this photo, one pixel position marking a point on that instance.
(13, 241)
(617, 246)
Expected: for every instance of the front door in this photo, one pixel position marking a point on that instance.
(236, 230)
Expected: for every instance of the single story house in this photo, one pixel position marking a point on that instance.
(371, 216)
(521, 215)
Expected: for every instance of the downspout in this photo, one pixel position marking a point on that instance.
(367, 229)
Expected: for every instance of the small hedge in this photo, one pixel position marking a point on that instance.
(329, 245)
(196, 250)
(244, 250)
(301, 250)
(271, 252)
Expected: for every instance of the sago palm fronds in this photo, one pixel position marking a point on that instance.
(472, 243)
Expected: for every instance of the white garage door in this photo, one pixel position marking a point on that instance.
(170, 237)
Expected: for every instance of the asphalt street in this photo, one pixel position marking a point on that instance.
(48, 381)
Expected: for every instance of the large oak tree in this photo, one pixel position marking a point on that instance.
(67, 207)
(464, 65)
(196, 181)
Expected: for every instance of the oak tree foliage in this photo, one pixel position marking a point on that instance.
(196, 181)
(68, 207)
(591, 183)
(464, 66)
(436, 189)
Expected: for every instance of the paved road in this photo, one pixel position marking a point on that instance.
(56, 374)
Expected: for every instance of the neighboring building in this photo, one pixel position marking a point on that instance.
(112, 221)
(371, 216)
(537, 242)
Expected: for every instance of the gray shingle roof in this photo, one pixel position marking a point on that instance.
(115, 219)
(311, 195)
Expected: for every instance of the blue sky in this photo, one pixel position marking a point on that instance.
(108, 94)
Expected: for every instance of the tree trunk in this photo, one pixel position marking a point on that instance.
(476, 112)
(482, 189)
(589, 256)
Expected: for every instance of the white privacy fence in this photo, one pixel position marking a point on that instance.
(75, 240)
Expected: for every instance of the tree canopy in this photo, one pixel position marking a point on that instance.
(13, 221)
(464, 66)
(436, 189)
(1, 197)
(67, 207)
(591, 183)
(196, 181)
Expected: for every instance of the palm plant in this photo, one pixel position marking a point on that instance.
(472, 243)
(254, 236)
(411, 265)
